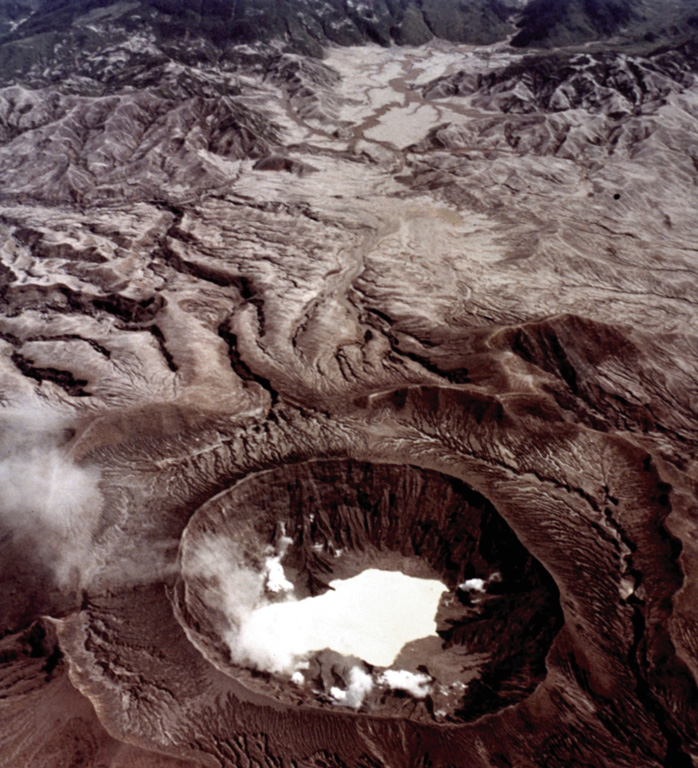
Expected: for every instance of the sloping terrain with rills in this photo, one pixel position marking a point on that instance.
(284, 307)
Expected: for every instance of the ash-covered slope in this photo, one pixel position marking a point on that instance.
(51, 41)
(36, 32)
(430, 309)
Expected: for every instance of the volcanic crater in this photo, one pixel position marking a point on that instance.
(328, 520)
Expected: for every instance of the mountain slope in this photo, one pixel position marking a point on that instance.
(547, 23)
(420, 308)
(304, 25)
(45, 42)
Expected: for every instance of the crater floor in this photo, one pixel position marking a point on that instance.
(326, 532)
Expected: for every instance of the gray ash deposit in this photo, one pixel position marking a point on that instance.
(348, 402)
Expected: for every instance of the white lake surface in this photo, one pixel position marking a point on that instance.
(371, 616)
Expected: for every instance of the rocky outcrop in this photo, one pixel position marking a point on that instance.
(607, 83)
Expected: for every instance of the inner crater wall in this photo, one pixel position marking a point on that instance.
(332, 519)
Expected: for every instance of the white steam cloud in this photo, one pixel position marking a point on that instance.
(275, 578)
(238, 591)
(360, 685)
(370, 616)
(414, 683)
(477, 584)
(47, 502)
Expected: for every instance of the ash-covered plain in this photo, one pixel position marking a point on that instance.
(348, 401)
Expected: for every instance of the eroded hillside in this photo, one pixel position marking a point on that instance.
(429, 309)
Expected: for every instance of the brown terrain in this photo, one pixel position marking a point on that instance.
(429, 309)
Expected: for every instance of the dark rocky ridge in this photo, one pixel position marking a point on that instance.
(547, 23)
(306, 25)
(607, 82)
(572, 21)
(45, 42)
